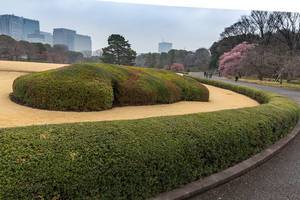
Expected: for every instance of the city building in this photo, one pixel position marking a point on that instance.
(164, 47)
(18, 27)
(74, 41)
(83, 44)
(21, 28)
(65, 37)
(40, 37)
(48, 37)
(30, 27)
(12, 26)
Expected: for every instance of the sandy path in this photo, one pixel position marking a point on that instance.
(27, 66)
(12, 114)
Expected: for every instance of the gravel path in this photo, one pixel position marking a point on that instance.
(12, 114)
(277, 179)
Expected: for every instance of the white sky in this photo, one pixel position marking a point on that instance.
(188, 24)
(271, 5)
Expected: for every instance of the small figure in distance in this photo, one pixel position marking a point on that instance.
(236, 78)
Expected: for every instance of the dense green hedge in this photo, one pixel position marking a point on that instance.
(137, 159)
(92, 87)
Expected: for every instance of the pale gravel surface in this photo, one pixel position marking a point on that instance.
(12, 114)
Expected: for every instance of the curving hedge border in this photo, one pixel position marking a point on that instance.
(136, 159)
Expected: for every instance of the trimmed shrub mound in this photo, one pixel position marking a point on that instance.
(94, 87)
(137, 159)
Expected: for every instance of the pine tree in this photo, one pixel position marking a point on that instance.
(118, 51)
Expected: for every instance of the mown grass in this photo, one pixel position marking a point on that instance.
(94, 87)
(285, 84)
(137, 159)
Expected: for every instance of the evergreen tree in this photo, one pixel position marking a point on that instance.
(118, 51)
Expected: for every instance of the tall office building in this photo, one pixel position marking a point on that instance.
(83, 44)
(74, 41)
(12, 26)
(40, 37)
(18, 27)
(64, 37)
(164, 47)
(30, 27)
(48, 37)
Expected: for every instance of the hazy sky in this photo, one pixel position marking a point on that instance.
(144, 26)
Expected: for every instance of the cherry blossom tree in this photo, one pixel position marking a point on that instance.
(177, 67)
(229, 63)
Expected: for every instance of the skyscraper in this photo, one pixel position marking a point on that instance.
(48, 37)
(65, 37)
(40, 37)
(164, 47)
(12, 26)
(30, 27)
(74, 41)
(18, 27)
(83, 44)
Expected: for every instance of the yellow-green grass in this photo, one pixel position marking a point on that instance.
(285, 84)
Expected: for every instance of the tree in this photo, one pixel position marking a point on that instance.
(263, 61)
(176, 67)
(278, 38)
(118, 51)
(226, 44)
(202, 58)
(287, 25)
(230, 61)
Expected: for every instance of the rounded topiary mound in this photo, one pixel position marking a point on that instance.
(94, 87)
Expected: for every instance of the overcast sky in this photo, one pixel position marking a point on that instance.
(143, 25)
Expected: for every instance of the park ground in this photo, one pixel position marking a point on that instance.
(12, 114)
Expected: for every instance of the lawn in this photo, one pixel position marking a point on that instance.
(292, 85)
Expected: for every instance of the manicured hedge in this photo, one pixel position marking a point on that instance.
(137, 159)
(93, 87)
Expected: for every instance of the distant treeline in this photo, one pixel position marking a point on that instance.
(11, 49)
(192, 61)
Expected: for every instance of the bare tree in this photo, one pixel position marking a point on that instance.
(287, 24)
(243, 28)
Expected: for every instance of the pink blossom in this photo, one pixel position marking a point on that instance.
(177, 67)
(230, 61)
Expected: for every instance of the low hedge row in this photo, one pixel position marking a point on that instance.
(137, 159)
(94, 87)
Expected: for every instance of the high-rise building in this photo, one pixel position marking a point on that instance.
(12, 26)
(74, 41)
(30, 27)
(64, 37)
(164, 47)
(48, 37)
(40, 37)
(83, 44)
(18, 27)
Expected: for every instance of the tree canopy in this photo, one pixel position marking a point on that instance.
(118, 51)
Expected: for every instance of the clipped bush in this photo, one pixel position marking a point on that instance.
(94, 87)
(137, 159)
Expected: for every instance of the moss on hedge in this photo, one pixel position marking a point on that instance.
(136, 159)
(93, 87)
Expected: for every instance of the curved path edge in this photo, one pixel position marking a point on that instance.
(202, 185)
